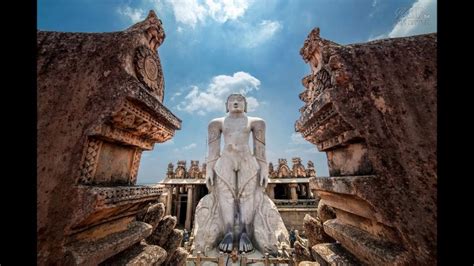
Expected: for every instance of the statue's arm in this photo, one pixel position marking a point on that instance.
(214, 146)
(258, 128)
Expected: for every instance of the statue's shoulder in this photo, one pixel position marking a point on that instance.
(256, 121)
(216, 122)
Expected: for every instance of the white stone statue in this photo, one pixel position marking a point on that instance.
(237, 213)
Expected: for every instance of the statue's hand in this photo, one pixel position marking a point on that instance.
(210, 179)
(263, 175)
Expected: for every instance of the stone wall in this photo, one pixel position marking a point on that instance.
(100, 104)
(294, 217)
(372, 108)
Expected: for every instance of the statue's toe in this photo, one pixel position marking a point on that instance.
(245, 245)
(226, 244)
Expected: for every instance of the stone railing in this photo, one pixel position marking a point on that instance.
(299, 203)
(243, 259)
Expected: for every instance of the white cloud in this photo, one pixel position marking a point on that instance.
(260, 33)
(190, 146)
(167, 143)
(193, 12)
(378, 37)
(420, 18)
(133, 14)
(175, 95)
(296, 138)
(223, 10)
(188, 12)
(199, 101)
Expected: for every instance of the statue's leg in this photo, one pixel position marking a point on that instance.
(226, 203)
(247, 210)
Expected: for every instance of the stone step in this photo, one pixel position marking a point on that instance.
(366, 247)
(309, 263)
(96, 251)
(139, 254)
(332, 254)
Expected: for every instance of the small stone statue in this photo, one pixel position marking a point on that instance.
(194, 171)
(180, 171)
(170, 172)
(310, 170)
(237, 214)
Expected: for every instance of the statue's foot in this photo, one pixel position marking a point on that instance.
(227, 243)
(245, 245)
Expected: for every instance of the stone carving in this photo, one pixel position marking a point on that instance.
(89, 148)
(298, 168)
(363, 117)
(135, 164)
(170, 171)
(148, 69)
(310, 170)
(283, 169)
(237, 214)
(271, 170)
(89, 161)
(138, 90)
(180, 171)
(140, 123)
(194, 171)
(121, 136)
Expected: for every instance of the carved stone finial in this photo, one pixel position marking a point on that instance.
(310, 170)
(311, 45)
(194, 171)
(152, 26)
(180, 171)
(151, 15)
(298, 168)
(283, 169)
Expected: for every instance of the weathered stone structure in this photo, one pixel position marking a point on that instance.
(372, 108)
(100, 104)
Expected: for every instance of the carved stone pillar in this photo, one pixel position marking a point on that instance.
(177, 202)
(169, 200)
(271, 191)
(294, 196)
(189, 208)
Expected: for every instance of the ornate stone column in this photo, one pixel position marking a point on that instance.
(169, 200)
(294, 196)
(189, 208)
(271, 191)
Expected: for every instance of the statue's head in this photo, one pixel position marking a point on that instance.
(236, 103)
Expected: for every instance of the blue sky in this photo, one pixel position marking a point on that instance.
(215, 47)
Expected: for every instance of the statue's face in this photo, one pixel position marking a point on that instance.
(236, 104)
